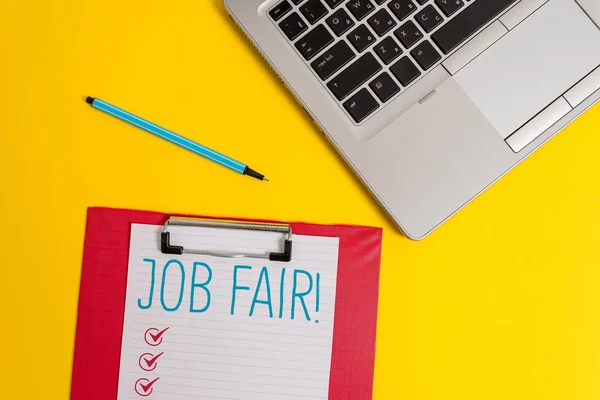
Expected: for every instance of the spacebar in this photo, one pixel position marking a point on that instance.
(465, 24)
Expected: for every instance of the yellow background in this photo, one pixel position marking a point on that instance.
(501, 302)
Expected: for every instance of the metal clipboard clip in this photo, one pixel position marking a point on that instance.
(167, 248)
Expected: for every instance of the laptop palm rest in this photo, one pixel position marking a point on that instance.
(592, 8)
(533, 65)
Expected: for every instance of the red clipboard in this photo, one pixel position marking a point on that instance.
(102, 304)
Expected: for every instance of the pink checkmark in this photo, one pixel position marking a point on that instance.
(154, 337)
(148, 361)
(143, 387)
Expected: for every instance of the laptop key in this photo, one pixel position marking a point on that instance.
(382, 22)
(408, 34)
(280, 10)
(333, 59)
(354, 76)
(465, 24)
(405, 71)
(361, 38)
(340, 22)
(313, 11)
(333, 3)
(388, 50)
(402, 8)
(449, 7)
(361, 105)
(429, 18)
(296, 2)
(314, 41)
(384, 87)
(426, 55)
(293, 26)
(360, 8)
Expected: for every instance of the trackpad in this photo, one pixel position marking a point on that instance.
(533, 65)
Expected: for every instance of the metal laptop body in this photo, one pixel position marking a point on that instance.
(472, 114)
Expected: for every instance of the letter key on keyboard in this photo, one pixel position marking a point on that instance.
(429, 18)
(360, 8)
(382, 22)
(340, 22)
(388, 50)
(449, 7)
(402, 8)
(408, 34)
(361, 38)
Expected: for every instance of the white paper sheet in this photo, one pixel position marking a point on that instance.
(214, 348)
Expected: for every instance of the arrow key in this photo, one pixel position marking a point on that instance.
(449, 7)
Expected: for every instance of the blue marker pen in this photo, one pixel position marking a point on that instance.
(174, 138)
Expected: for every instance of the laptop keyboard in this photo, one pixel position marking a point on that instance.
(367, 52)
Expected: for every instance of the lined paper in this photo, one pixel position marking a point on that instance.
(255, 330)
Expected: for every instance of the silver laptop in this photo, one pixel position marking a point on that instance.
(431, 101)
